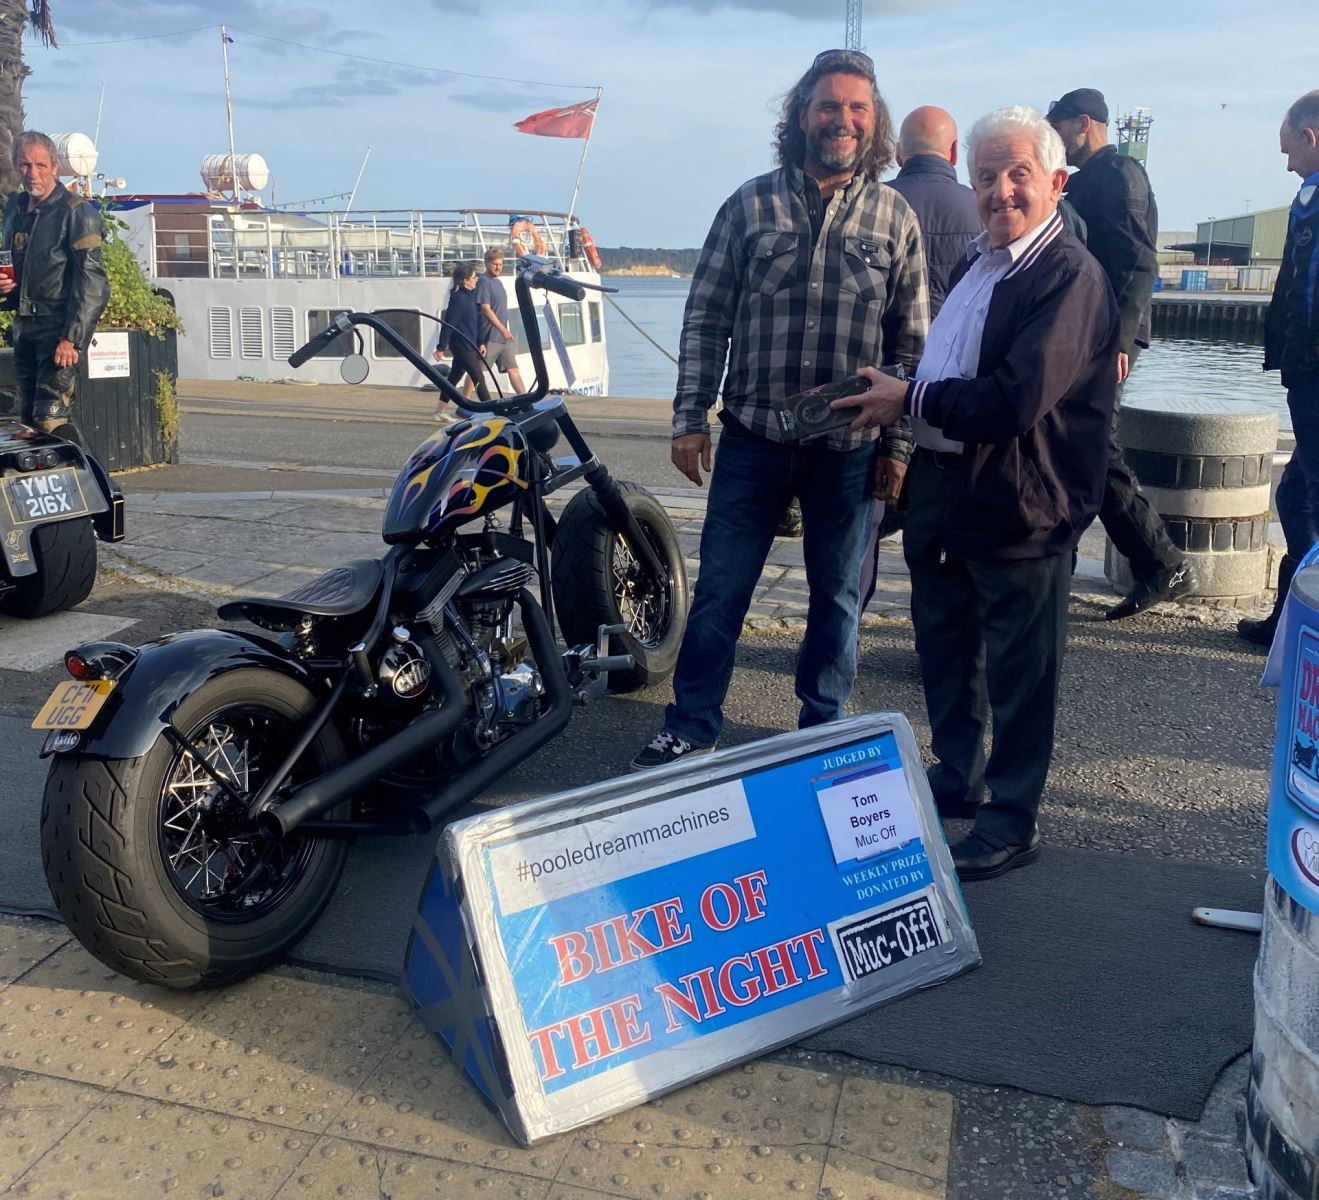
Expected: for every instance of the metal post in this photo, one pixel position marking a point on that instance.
(576, 187)
(1209, 253)
(229, 116)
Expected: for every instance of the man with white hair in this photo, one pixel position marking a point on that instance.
(1010, 406)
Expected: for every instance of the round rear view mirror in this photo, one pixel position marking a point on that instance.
(354, 368)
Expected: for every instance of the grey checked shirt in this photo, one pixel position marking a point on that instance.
(785, 313)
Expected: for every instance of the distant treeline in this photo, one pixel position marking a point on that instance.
(622, 258)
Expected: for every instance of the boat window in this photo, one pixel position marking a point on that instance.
(595, 320)
(570, 321)
(520, 333)
(408, 324)
(317, 320)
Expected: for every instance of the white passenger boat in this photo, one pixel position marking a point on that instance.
(251, 284)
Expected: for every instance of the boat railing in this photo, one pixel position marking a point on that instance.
(226, 243)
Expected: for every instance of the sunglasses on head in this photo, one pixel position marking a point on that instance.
(843, 58)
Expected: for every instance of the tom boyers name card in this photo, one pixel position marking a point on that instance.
(584, 952)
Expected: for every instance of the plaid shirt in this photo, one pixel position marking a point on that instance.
(788, 311)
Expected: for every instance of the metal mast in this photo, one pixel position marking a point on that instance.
(1133, 134)
(852, 36)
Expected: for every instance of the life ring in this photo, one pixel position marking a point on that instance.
(588, 247)
(526, 237)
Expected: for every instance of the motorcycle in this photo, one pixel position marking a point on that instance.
(56, 500)
(203, 788)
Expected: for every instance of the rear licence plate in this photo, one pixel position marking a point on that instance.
(74, 705)
(45, 494)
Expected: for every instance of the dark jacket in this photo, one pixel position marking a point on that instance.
(948, 217)
(1035, 419)
(1291, 330)
(462, 319)
(1112, 195)
(58, 263)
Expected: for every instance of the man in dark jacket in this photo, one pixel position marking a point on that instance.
(58, 290)
(1291, 345)
(1011, 407)
(1111, 193)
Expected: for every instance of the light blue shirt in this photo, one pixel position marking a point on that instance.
(952, 347)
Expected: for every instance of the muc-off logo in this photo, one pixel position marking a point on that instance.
(1305, 853)
(889, 936)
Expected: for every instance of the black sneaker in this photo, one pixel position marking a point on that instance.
(666, 747)
(1170, 584)
(790, 522)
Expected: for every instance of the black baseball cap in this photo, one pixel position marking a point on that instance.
(1082, 102)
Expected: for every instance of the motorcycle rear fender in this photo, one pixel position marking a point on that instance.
(166, 673)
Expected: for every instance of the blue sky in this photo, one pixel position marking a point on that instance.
(691, 89)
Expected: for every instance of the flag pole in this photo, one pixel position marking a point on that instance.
(586, 145)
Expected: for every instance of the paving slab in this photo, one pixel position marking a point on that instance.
(129, 1146)
(283, 1051)
(850, 1176)
(35, 1113)
(73, 1018)
(23, 946)
(35, 645)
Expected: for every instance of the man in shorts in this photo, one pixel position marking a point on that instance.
(501, 352)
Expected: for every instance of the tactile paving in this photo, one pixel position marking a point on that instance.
(419, 1101)
(23, 946)
(129, 1146)
(74, 1018)
(903, 1127)
(850, 1176)
(35, 1112)
(342, 1169)
(285, 1051)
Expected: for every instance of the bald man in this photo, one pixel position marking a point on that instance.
(946, 209)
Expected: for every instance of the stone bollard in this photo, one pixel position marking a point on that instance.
(1206, 467)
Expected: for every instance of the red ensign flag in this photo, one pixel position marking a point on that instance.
(571, 122)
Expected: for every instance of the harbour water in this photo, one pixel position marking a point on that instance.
(1170, 367)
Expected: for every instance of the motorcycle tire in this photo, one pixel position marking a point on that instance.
(65, 555)
(131, 846)
(597, 582)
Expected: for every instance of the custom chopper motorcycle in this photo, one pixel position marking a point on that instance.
(203, 788)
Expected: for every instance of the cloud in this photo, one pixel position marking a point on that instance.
(805, 10)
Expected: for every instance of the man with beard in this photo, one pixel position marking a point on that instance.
(809, 273)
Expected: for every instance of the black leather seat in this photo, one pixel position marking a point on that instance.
(338, 593)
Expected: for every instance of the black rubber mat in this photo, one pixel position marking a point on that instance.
(1096, 986)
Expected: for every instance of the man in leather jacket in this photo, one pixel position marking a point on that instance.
(59, 288)
(1291, 345)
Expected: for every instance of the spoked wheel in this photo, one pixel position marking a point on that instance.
(598, 581)
(152, 861)
(219, 864)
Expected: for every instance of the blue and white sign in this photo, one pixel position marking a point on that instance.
(1294, 801)
(651, 930)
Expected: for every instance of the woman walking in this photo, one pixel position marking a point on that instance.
(458, 334)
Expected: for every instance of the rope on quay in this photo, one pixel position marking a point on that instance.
(638, 328)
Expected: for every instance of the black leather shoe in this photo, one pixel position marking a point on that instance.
(1260, 630)
(979, 857)
(1169, 584)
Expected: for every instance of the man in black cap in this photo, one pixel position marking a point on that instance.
(1111, 192)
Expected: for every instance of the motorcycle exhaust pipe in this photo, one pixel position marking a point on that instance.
(336, 786)
(502, 758)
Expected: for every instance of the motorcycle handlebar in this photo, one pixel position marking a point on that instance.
(561, 285)
(317, 344)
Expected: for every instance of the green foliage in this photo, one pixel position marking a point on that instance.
(167, 409)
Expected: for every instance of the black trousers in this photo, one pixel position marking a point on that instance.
(45, 391)
(990, 637)
(467, 361)
(1135, 529)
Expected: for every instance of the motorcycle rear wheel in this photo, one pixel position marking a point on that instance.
(598, 582)
(155, 870)
(65, 554)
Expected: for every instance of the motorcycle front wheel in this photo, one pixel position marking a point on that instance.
(152, 863)
(598, 581)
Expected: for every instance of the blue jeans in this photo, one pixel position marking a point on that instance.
(1297, 498)
(752, 482)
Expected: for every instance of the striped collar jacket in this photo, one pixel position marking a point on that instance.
(788, 309)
